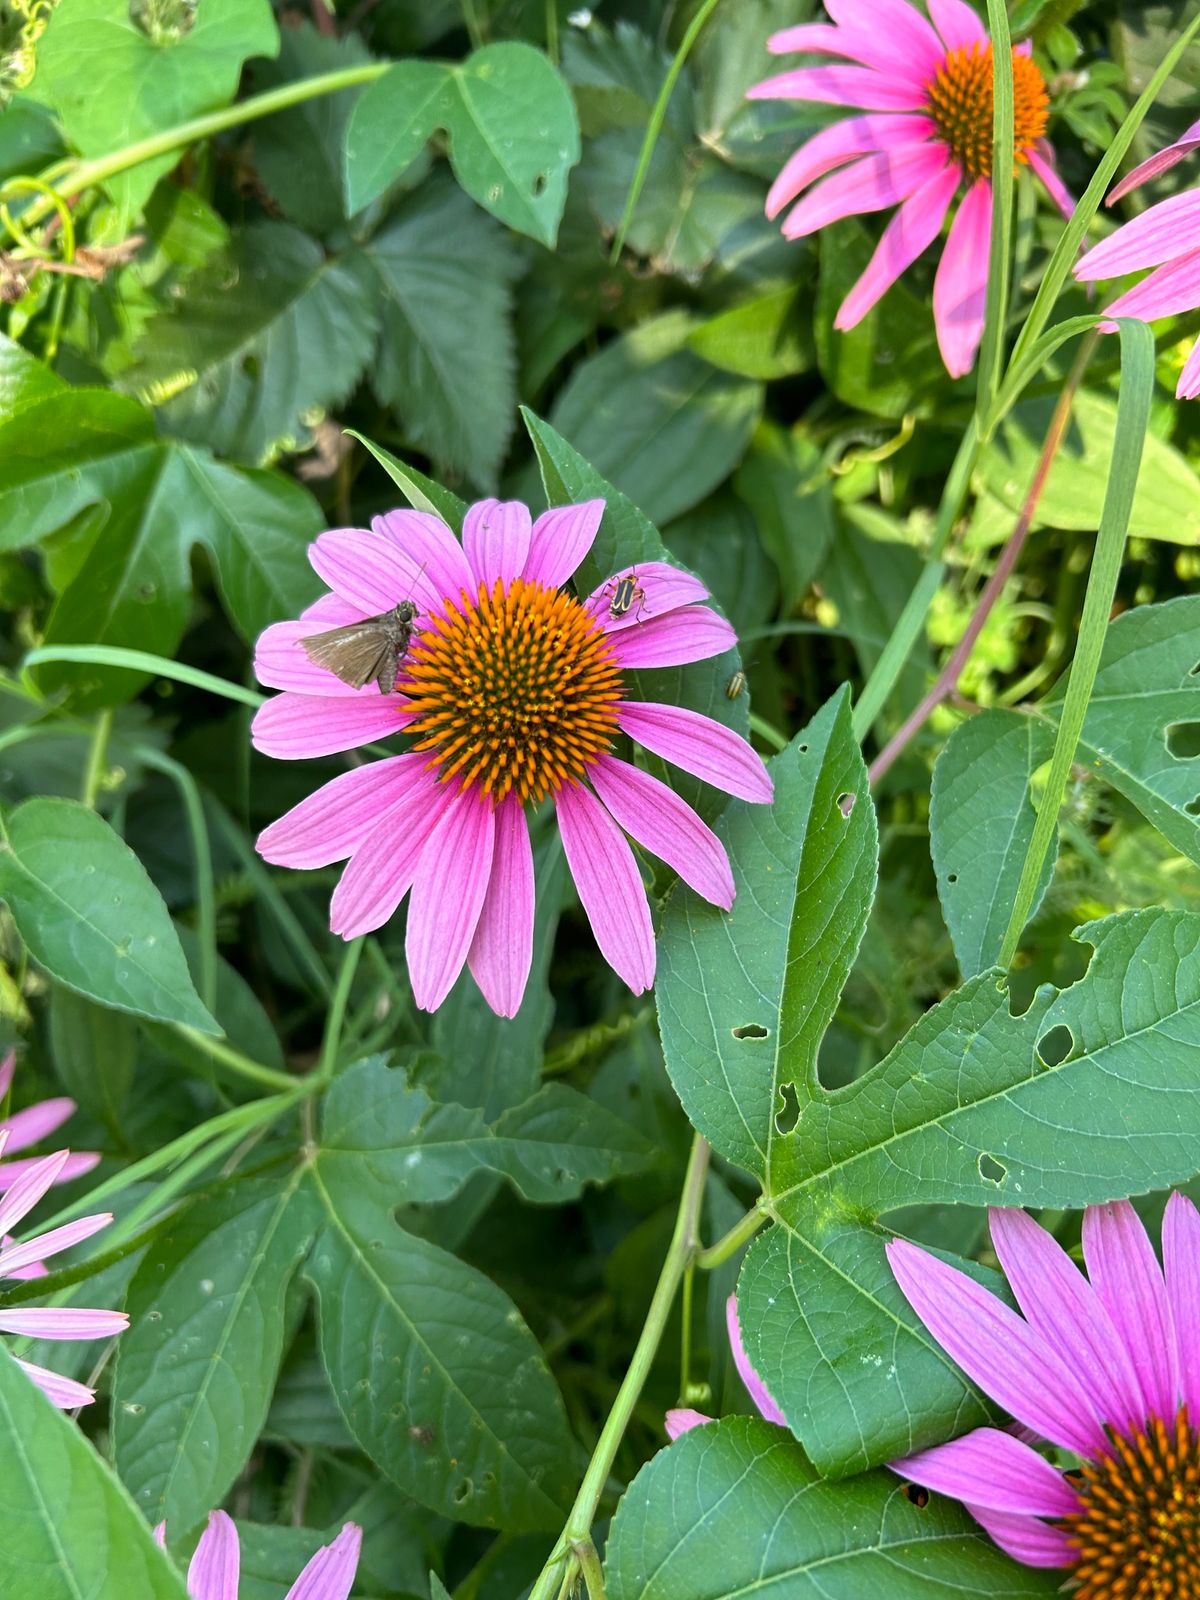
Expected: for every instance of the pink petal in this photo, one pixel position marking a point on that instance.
(65, 1393)
(330, 1573)
(609, 885)
(36, 1122)
(960, 287)
(833, 147)
(663, 588)
(501, 952)
(216, 1565)
(683, 1420)
(666, 826)
(23, 1194)
(842, 86)
(1164, 233)
(959, 26)
(692, 633)
(381, 869)
(1027, 1540)
(755, 1387)
(561, 538)
(281, 662)
(331, 611)
(1125, 1273)
(14, 1257)
(427, 544)
(448, 890)
(296, 727)
(992, 1469)
(913, 229)
(160, 1535)
(700, 746)
(871, 184)
(1181, 1269)
(332, 823)
(1171, 289)
(369, 571)
(1162, 162)
(997, 1350)
(1060, 1304)
(914, 46)
(869, 49)
(1041, 160)
(496, 536)
(62, 1322)
(77, 1163)
(7, 1067)
(1188, 387)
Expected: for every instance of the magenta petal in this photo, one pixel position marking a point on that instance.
(77, 1163)
(1125, 1273)
(334, 821)
(1181, 1269)
(997, 1350)
(36, 1122)
(868, 47)
(448, 890)
(1159, 163)
(698, 745)
(912, 230)
(15, 1257)
(330, 1573)
(1165, 232)
(367, 570)
(683, 1420)
(25, 1192)
(755, 1387)
(1169, 290)
(561, 538)
(665, 825)
(7, 1068)
(992, 1469)
(501, 952)
(872, 184)
(959, 25)
(381, 870)
(297, 727)
(960, 287)
(914, 47)
(691, 633)
(216, 1565)
(428, 547)
(496, 536)
(609, 885)
(1061, 1305)
(842, 86)
(843, 142)
(1034, 1543)
(65, 1393)
(663, 588)
(281, 662)
(61, 1322)
(1188, 387)
(1041, 160)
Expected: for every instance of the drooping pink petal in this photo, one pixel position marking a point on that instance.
(1157, 164)
(913, 229)
(665, 825)
(15, 1257)
(692, 633)
(281, 662)
(1034, 1543)
(959, 25)
(426, 543)
(297, 727)
(992, 1469)
(36, 1122)
(609, 885)
(496, 536)
(77, 1163)
(336, 819)
(683, 1420)
(663, 588)
(1041, 159)
(835, 146)
(1125, 1273)
(1165, 232)
(1181, 1270)
(561, 538)
(1165, 293)
(914, 44)
(216, 1565)
(7, 1068)
(330, 1573)
(960, 287)
(997, 1350)
(380, 872)
(861, 87)
(65, 1393)
(1061, 1305)
(867, 47)
(755, 1387)
(23, 1194)
(61, 1322)
(871, 184)
(448, 890)
(1188, 387)
(698, 745)
(501, 952)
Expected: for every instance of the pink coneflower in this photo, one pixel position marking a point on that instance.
(929, 94)
(27, 1127)
(216, 1566)
(25, 1261)
(512, 691)
(683, 1419)
(1167, 238)
(1107, 1369)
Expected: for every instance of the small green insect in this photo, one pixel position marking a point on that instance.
(625, 591)
(735, 686)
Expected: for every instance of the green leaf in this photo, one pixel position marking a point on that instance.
(761, 338)
(196, 1370)
(420, 492)
(745, 996)
(70, 1530)
(260, 339)
(981, 821)
(786, 485)
(446, 363)
(510, 120)
(23, 379)
(112, 84)
(733, 1509)
(87, 911)
(95, 1055)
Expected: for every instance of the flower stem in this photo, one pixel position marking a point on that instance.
(206, 904)
(235, 1061)
(741, 1233)
(97, 758)
(337, 1011)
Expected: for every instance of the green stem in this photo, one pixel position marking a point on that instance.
(1133, 414)
(337, 1010)
(589, 1565)
(98, 655)
(767, 730)
(991, 350)
(97, 758)
(235, 1061)
(741, 1233)
(578, 1531)
(206, 906)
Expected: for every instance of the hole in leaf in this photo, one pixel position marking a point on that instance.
(845, 803)
(463, 1492)
(1193, 807)
(250, 366)
(802, 749)
(952, 877)
(1054, 1047)
(788, 1114)
(751, 1030)
(539, 184)
(991, 1170)
(915, 1495)
(1183, 740)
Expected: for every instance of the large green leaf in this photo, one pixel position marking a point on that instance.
(511, 123)
(70, 1530)
(87, 911)
(197, 1368)
(113, 82)
(733, 1509)
(23, 378)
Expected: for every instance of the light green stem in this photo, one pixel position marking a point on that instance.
(104, 655)
(337, 1010)
(206, 906)
(235, 1061)
(97, 757)
(741, 1233)
(991, 350)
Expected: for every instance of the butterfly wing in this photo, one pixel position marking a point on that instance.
(357, 653)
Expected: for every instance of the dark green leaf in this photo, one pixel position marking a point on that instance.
(767, 337)
(420, 492)
(95, 1054)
